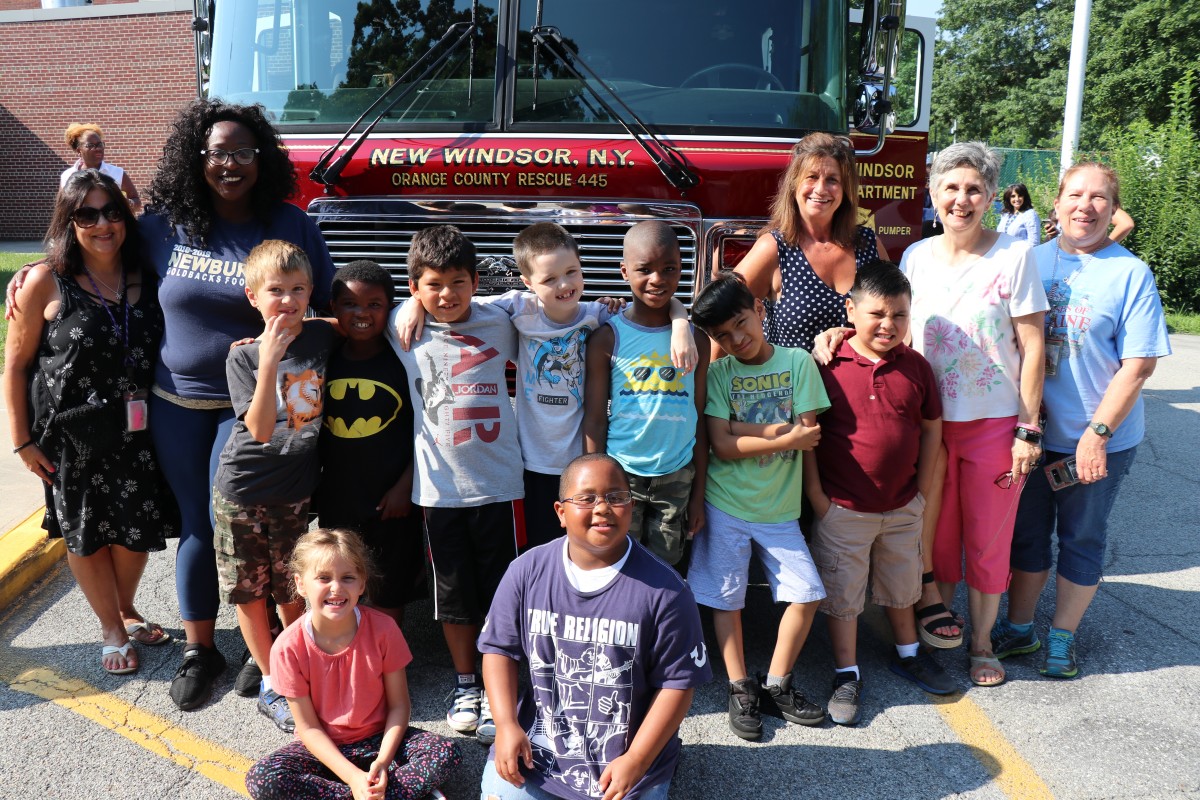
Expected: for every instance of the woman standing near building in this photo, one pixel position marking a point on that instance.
(86, 140)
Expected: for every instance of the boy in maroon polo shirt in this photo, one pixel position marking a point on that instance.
(867, 479)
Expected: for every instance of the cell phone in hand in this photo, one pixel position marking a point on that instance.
(1062, 473)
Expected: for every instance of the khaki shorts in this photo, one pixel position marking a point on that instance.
(851, 547)
(254, 544)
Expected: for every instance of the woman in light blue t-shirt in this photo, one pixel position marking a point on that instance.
(1105, 332)
(1019, 218)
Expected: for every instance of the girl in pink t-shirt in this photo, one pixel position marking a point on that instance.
(341, 668)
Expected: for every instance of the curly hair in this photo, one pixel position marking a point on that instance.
(63, 252)
(178, 190)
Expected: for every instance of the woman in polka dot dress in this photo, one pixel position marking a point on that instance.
(805, 259)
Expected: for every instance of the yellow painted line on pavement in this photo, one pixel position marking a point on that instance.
(1013, 774)
(159, 736)
(25, 555)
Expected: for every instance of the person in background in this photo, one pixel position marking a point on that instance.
(86, 140)
(1122, 225)
(81, 352)
(1105, 332)
(1019, 218)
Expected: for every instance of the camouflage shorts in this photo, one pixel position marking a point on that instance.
(659, 508)
(253, 545)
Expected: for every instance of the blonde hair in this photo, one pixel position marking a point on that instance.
(274, 257)
(785, 214)
(1110, 177)
(76, 130)
(321, 546)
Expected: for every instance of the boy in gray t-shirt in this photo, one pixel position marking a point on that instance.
(268, 468)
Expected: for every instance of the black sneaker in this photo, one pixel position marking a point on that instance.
(193, 681)
(845, 702)
(922, 670)
(249, 677)
(791, 704)
(744, 719)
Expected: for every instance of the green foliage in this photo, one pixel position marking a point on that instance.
(9, 264)
(1159, 167)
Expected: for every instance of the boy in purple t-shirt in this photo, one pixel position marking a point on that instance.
(867, 482)
(614, 648)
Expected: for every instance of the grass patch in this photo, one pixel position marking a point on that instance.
(9, 264)
(1183, 323)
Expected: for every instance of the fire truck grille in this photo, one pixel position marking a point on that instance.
(381, 230)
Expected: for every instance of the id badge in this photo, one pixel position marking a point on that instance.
(1055, 347)
(137, 413)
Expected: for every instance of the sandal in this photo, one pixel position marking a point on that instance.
(934, 616)
(986, 661)
(150, 634)
(123, 651)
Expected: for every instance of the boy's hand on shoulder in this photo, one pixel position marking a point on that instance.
(274, 341)
(512, 749)
(621, 775)
(615, 304)
(826, 343)
(239, 342)
(410, 322)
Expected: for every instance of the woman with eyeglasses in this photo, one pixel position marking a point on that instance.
(221, 188)
(80, 355)
(86, 140)
(1019, 218)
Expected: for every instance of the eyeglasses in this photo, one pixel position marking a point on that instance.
(92, 146)
(86, 216)
(245, 155)
(591, 500)
(1007, 481)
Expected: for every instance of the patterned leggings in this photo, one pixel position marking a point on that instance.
(422, 763)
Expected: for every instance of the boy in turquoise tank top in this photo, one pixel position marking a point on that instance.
(643, 411)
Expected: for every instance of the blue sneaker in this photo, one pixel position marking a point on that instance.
(1060, 655)
(274, 707)
(1008, 641)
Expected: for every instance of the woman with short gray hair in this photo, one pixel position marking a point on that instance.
(977, 314)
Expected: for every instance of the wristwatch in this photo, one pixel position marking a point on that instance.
(1026, 435)
(1100, 429)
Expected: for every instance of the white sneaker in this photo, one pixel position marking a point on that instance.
(463, 715)
(485, 732)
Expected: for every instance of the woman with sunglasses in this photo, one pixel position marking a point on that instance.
(80, 354)
(86, 140)
(221, 188)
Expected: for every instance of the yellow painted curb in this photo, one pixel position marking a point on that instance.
(26, 554)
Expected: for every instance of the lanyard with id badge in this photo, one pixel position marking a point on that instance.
(137, 415)
(1057, 345)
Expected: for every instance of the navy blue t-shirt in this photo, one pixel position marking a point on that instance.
(203, 293)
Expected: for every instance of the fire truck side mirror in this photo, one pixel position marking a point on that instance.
(879, 50)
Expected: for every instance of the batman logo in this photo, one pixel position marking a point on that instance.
(369, 405)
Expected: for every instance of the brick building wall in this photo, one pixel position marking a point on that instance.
(129, 74)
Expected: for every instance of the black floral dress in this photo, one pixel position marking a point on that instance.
(108, 490)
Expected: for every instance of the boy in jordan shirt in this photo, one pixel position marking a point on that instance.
(614, 648)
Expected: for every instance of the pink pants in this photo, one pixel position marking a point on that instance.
(977, 516)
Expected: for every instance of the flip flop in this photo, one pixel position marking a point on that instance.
(144, 633)
(123, 652)
(982, 662)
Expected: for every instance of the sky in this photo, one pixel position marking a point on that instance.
(923, 8)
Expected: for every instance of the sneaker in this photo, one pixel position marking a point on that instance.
(465, 702)
(193, 681)
(925, 672)
(846, 698)
(485, 731)
(791, 704)
(1007, 641)
(248, 678)
(744, 719)
(1060, 655)
(275, 707)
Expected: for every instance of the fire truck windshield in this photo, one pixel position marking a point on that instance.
(682, 66)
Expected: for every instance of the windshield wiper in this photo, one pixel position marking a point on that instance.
(668, 161)
(326, 173)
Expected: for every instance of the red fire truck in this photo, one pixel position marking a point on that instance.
(494, 114)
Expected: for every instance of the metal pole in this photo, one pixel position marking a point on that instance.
(1075, 79)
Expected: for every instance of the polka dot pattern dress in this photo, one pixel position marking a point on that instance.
(807, 305)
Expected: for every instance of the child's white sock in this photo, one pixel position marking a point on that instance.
(266, 683)
(908, 650)
(853, 669)
(775, 680)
